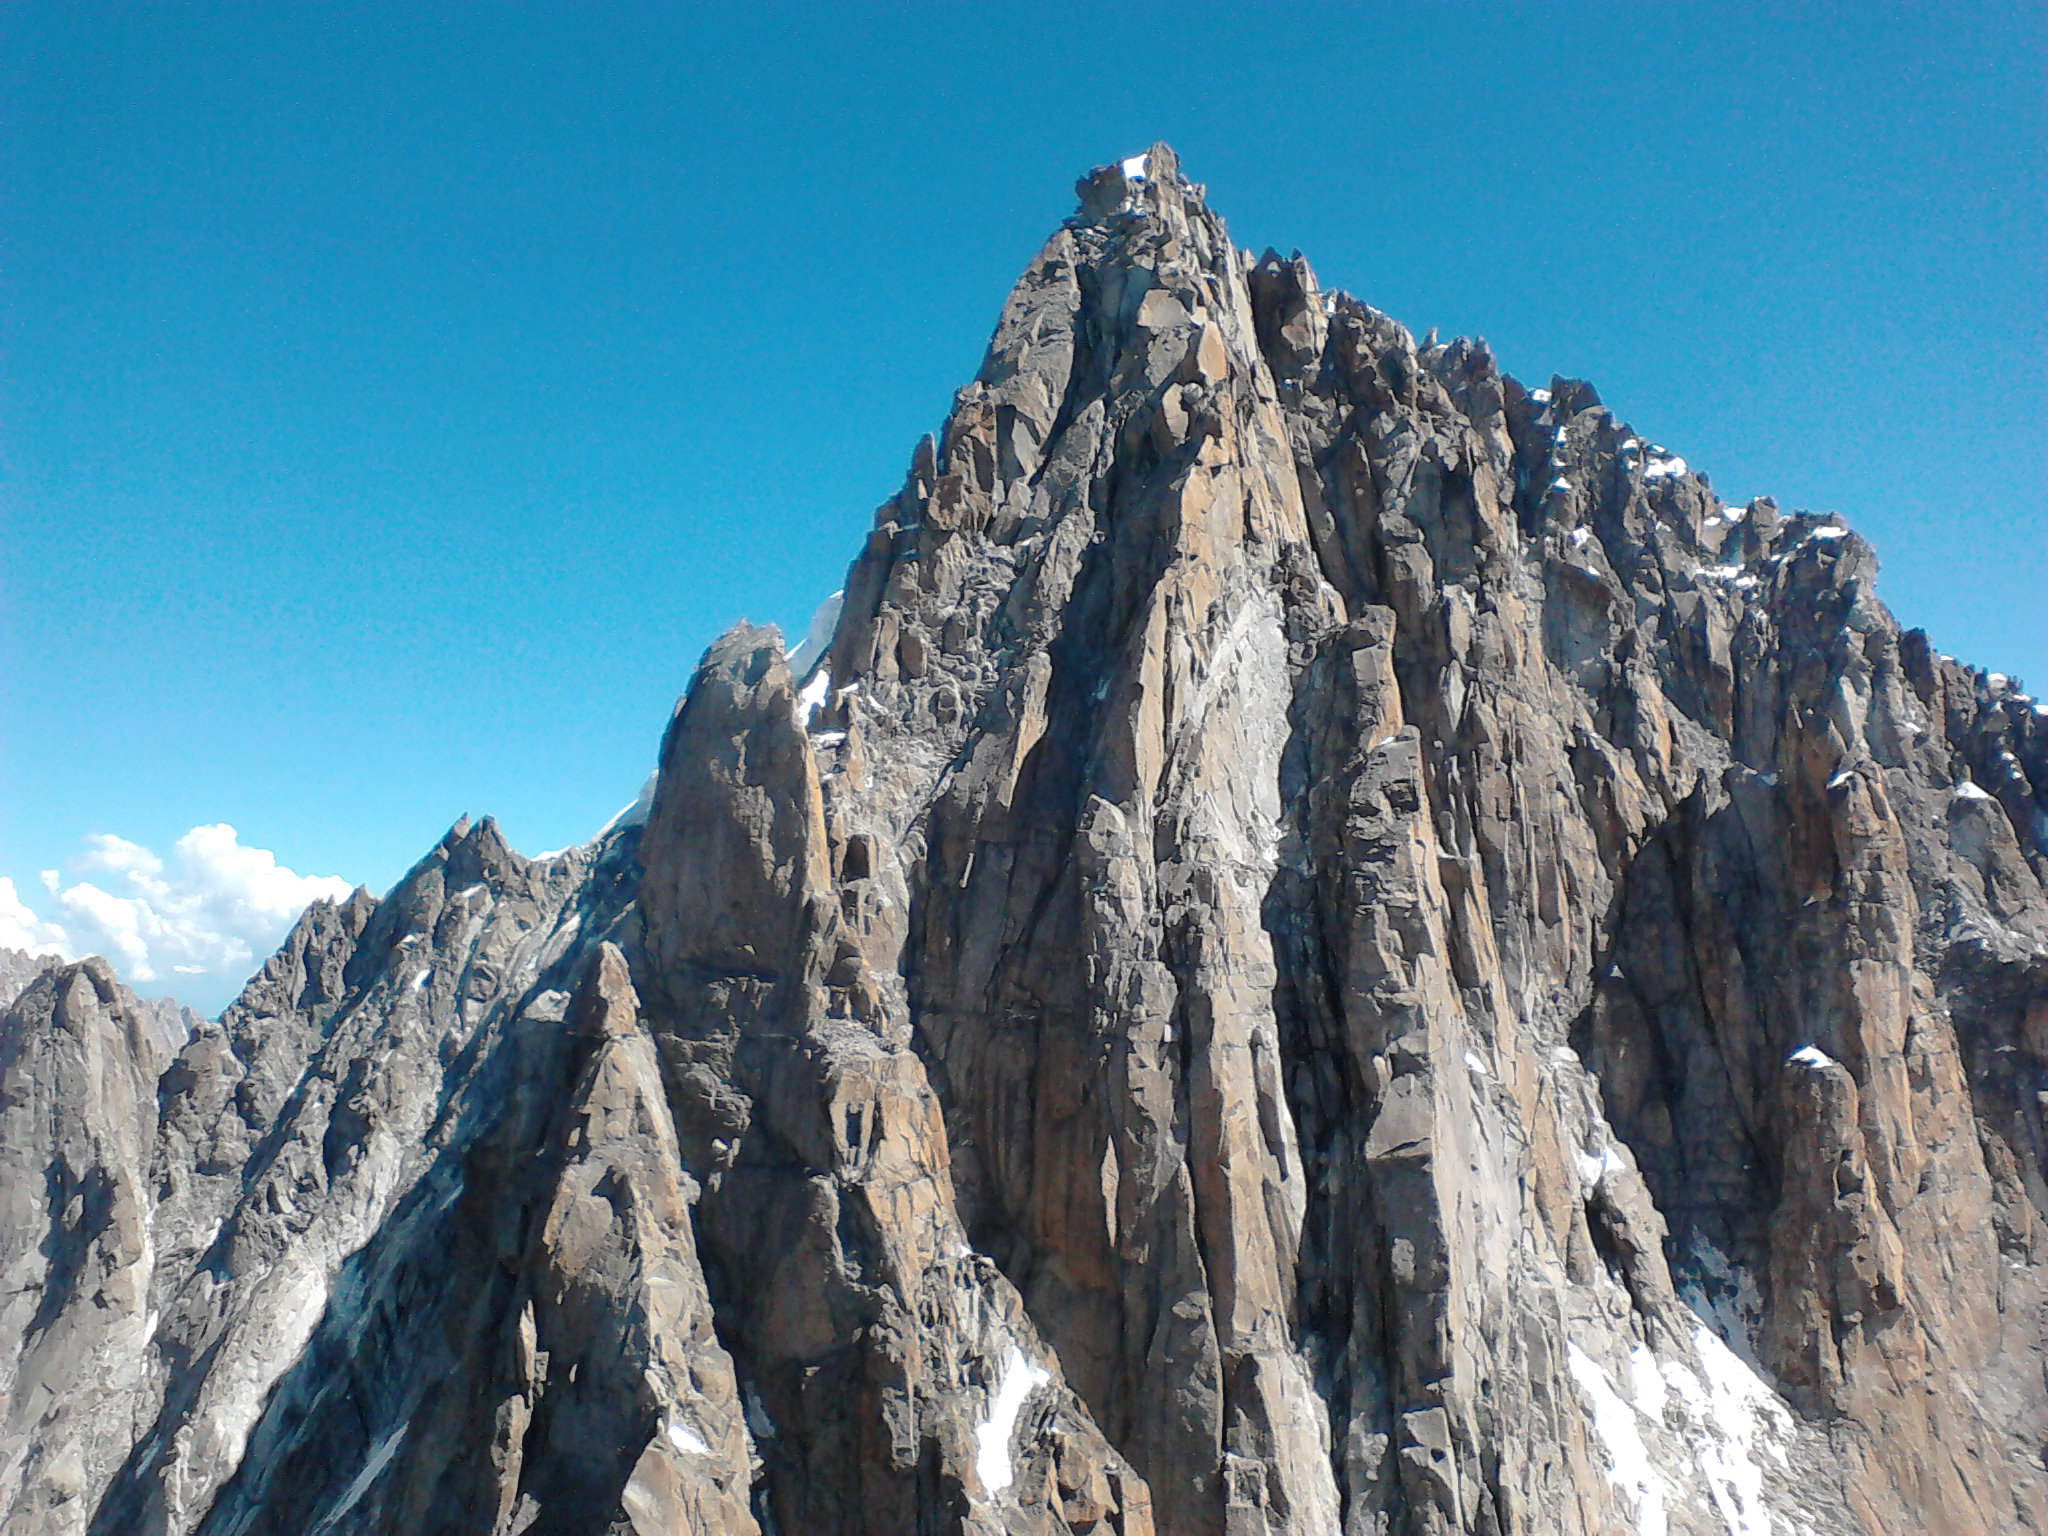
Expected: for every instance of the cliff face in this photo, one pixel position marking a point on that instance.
(1333, 945)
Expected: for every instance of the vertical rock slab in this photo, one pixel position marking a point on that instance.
(895, 1376)
(629, 1399)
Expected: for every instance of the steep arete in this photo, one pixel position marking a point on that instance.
(1333, 945)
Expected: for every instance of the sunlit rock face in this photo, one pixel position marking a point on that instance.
(1326, 943)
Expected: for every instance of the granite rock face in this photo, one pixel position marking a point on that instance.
(167, 1022)
(1332, 944)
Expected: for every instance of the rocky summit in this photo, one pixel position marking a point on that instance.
(1328, 945)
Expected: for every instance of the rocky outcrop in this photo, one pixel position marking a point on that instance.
(167, 1022)
(77, 1122)
(1332, 944)
(889, 1360)
(18, 968)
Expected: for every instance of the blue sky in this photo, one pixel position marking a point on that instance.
(394, 400)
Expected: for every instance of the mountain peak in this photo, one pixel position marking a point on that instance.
(1335, 944)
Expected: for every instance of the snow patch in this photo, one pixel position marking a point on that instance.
(1020, 1377)
(1736, 1420)
(1646, 1381)
(1136, 168)
(1664, 468)
(1967, 790)
(1725, 1413)
(1829, 532)
(686, 1439)
(1811, 1056)
(1629, 1466)
(1735, 514)
(1476, 1065)
(1579, 537)
(1540, 396)
(420, 981)
(812, 699)
(1594, 1168)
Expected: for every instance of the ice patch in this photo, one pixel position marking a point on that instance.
(685, 1439)
(992, 1436)
(380, 1458)
(817, 635)
(1629, 1466)
(635, 814)
(1811, 1056)
(757, 1414)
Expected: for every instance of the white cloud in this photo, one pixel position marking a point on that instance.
(22, 929)
(201, 919)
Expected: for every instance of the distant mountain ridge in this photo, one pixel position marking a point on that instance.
(1333, 944)
(169, 1022)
